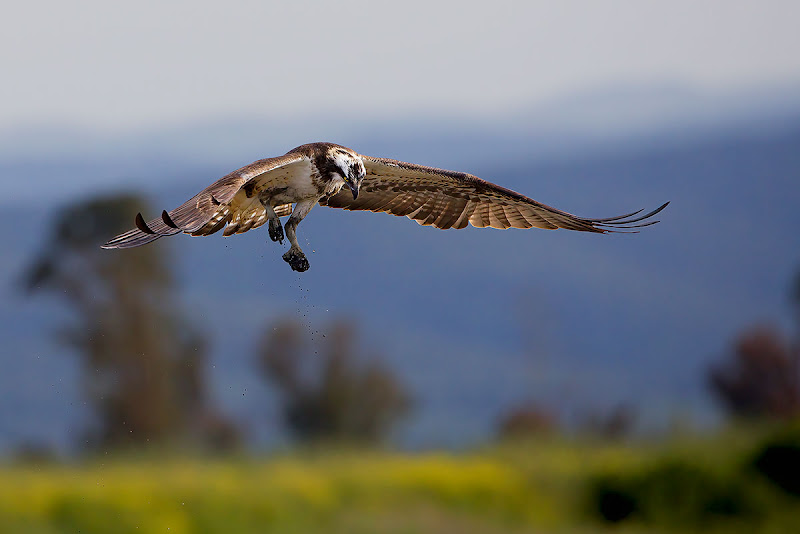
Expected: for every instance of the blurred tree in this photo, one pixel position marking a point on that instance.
(616, 423)
(761, 377)
(143, 364)
(526, 420)
(326, 393)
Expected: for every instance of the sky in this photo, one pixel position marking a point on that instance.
(111, 66)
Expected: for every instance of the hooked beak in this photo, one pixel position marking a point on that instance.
(353, 188)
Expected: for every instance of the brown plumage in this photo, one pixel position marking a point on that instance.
(215, 206)
(449, 199)
(317, 173)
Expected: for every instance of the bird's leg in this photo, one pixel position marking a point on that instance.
(295, 257)
(275, 228)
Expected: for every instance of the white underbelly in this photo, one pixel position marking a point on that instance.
(294, 183)
(295, 192)
(300, 190)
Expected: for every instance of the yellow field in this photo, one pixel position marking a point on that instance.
(538, 486)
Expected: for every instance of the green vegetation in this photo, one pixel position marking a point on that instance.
(716, 485)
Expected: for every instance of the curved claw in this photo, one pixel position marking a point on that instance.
(276, 230)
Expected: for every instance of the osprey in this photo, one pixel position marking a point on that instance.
(265, 190)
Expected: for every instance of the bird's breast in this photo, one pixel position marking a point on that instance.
(299, 189)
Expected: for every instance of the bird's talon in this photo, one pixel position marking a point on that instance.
(296, 260)
(276, 230)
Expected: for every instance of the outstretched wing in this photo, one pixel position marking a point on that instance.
(449, 199)
(232, 200)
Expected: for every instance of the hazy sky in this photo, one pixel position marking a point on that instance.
(120, 65)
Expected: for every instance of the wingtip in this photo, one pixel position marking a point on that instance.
(111, 243)
(624, 224)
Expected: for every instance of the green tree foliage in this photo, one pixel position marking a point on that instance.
(327, 393)
(143, 364)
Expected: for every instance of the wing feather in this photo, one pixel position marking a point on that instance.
(450, 214)
(450, 199)
(404, 206)
(463, 219)
(517, 220)
(480, 218)
(217, 222)
(497, 217)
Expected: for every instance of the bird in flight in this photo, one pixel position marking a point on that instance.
(338, 177)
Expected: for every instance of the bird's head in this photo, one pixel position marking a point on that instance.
(350, 167)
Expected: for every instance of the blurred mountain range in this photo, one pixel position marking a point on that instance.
(472, 321)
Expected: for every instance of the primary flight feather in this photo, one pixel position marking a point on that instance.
(265, 190)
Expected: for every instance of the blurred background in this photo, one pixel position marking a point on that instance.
(413, 380)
